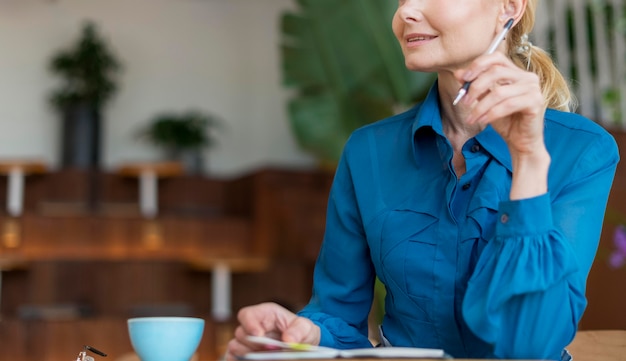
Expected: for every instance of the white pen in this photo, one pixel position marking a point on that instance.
(494, 45)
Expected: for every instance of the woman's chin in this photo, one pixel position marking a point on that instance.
(420, 67)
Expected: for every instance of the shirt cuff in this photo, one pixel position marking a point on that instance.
(524, 217)
(326, 338)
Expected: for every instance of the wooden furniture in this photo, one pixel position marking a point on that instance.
(405, 359)
(606, 294)
(221, 269)
(16, 170)
(8, 264)
(78, 274)
(256, 235)
(148, 174)
(599, 345)
(600, 358)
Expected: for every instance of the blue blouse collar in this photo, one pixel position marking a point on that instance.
(428, 115)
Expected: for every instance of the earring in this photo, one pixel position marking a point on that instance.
(525, 48)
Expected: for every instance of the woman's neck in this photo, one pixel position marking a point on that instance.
(453, 116)
(456, 130)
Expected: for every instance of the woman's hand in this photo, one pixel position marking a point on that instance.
(271, 320)
(510, 100)
(507, 97)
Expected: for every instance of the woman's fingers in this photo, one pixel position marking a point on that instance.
(302, 330)
(494, 80)
(238, 346)
(271, 320)
(506, 99)
(260, 319)
(498, 71)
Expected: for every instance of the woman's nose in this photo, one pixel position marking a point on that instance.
(411, 10)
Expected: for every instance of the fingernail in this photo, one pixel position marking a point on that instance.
(467, 76)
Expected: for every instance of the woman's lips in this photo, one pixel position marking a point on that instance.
(415, 39)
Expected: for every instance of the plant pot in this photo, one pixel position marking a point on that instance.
(192, 160)
(80, 137)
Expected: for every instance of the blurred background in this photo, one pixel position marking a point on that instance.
(173, 157)
(218, 56)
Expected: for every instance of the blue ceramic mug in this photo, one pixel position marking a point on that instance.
(165, 338)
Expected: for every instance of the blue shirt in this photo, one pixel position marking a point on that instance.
(465, 268)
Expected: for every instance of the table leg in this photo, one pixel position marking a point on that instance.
(221, 292)
(15, 192)
(148, 197)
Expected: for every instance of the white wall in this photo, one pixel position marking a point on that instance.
(220, 56)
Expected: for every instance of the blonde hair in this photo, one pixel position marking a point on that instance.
(554, 87)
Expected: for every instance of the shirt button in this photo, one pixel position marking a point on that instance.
(466, 186)
(475, 148)
(504, 218)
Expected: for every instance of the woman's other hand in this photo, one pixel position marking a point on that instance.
(271, 320)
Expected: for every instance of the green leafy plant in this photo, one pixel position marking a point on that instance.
(347, 68)
(88, 71)
(181, 132)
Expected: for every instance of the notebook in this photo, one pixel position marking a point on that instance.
(278, 350)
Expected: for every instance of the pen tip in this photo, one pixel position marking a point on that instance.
(459, 96)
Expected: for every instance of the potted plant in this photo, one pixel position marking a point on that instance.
(88, 72)
(183, 136)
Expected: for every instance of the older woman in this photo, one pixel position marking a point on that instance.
(482, 218)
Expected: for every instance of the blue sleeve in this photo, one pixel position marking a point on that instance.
(343, 280)
(527, 293)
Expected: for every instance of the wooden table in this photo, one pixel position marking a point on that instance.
(405, 359)
(588, 345)
(599, 345)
